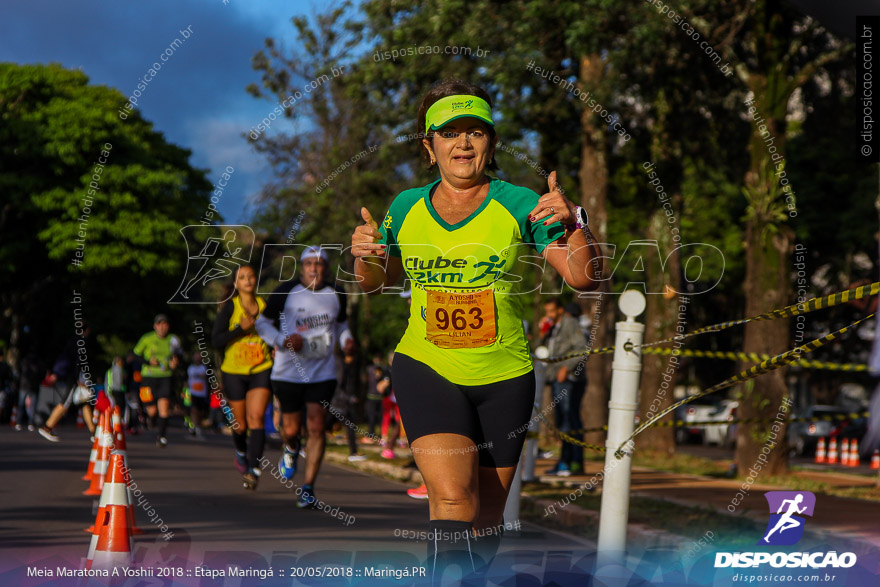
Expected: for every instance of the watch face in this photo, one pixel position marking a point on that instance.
(582, 216)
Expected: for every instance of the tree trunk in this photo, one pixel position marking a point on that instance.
(768, 265)
(655, 393)
(593, 175)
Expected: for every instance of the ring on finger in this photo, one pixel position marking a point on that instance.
(552, 210)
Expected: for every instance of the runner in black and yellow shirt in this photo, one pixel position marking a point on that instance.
(247, 363)
(462, 372)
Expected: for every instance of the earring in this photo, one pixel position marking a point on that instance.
(433, 161)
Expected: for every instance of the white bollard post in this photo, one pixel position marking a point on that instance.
(511, 508)
(525, 469)
(626, 370)
(531, 448)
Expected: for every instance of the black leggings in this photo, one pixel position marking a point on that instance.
(488, 414)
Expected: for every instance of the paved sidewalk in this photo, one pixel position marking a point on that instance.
(852, 519)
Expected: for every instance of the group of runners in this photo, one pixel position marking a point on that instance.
(462, 373)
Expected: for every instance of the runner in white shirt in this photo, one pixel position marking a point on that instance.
(304, 320)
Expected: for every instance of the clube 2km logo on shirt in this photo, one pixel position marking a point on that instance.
(785, 528)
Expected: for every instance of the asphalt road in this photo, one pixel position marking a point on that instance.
(194, 489)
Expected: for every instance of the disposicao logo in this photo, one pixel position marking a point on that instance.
(786, 527)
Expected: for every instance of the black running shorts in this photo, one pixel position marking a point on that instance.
(488, 414)
(159, 386)
(293, 396)
(236, 386)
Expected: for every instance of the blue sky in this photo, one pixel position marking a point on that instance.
(197, 99)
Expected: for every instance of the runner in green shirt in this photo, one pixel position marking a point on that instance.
(161, 353)
(462, 372)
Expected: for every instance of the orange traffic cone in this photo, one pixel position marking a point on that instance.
(875, 460)
(820, 451)
(13, 420)
(80, 423)
(832, 451)
(101, 463)
(119, 435)
(99, 429)
(112, 543)
(844, 452)
(854, 459)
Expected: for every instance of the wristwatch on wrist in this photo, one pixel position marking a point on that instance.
(581, 219)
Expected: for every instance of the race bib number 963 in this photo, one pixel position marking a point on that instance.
(461, 320)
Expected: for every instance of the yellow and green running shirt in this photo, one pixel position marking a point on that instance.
(466, 315)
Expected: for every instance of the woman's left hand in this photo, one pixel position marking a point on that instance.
(553, 206)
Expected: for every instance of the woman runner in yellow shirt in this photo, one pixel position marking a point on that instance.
(247, 363)
(462, 372)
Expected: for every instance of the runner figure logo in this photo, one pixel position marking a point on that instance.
(213, 252)
(786, 527)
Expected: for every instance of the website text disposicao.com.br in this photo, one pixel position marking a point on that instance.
(393, 54)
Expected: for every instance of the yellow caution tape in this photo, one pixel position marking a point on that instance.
(772, 364)
(686, 424)
(812, 305)
(756, 357)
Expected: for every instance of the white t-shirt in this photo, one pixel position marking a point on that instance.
(197, 375)
(319, 317)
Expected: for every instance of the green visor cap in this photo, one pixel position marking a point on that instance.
(447, 109)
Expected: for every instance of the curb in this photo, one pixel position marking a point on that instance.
(568, 518)
(393, 471)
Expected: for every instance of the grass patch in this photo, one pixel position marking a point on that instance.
(679, 463)
(689, 521)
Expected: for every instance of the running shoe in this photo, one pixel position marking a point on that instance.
(387, 454)
(48, 435)
(251, 478)
(366, 440)
(356, 458)
(161, 442)
(18, 427)
(30, 427)
(240, 462)
(420, 492)
(307, 498)
(287, 464)
(560, 470)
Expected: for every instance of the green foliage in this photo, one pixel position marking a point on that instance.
(683, 114)
(58, 135)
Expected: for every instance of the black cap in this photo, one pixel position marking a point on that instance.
(160, 318)
(573, 309)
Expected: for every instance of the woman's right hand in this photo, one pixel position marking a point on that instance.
(294, 342)
(365, 240)
(247, 321)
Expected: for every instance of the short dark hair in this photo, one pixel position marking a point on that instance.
(439, 91)
(555, 301)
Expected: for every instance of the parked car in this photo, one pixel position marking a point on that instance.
(723, 433)
(804, 436)
(691, 413)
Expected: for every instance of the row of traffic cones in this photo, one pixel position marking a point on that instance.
(112, 542)
(849, 453)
